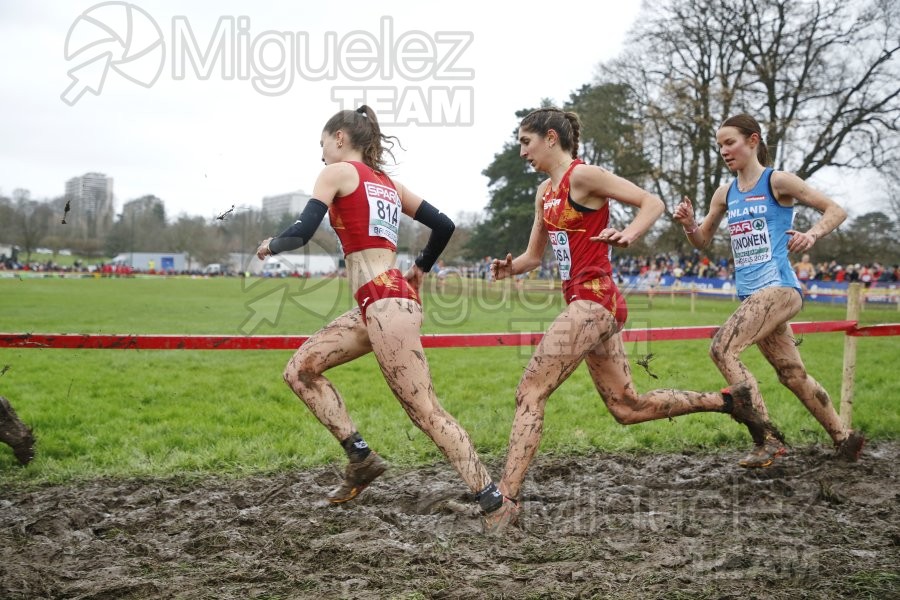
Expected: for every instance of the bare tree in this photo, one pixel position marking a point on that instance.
(7, 219)
(33, 222)
(822, 76)
(825, 79)
(193, 236)
(683, 67)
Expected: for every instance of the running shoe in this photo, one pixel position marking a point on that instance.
(764, 455)
(357, 477)
(496, 521)
(743, 411)
(851, 448)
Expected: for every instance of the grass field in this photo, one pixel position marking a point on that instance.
(100, 413)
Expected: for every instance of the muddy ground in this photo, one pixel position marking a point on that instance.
(600, 526)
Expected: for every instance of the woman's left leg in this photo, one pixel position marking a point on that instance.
(580, 328)
(781, 351)
(755, 319)
(611, 374)
(394, 326)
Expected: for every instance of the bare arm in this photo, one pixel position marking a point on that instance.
(410, 201)
(701, 235)
(337, 179)
(537, 242)
(592, 185)
(788, 187)
(441, 227)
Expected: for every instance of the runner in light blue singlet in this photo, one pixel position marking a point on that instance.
(762, 235)
(758, 225)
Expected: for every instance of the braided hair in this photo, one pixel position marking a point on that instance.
(566, 124)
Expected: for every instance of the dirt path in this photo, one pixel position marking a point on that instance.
(603, 526)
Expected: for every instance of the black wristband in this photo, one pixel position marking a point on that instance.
(302, 230)
(441, 230)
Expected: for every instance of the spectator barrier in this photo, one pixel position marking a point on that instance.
(454, 340)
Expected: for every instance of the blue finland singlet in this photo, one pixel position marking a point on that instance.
(758, 226)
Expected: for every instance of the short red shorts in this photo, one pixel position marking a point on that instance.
(600, 288)
(390, 284)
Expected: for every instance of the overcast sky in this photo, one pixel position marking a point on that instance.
(248, 124)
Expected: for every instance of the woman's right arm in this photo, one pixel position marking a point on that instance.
(701, 235)
(334, 180)
(537, 242)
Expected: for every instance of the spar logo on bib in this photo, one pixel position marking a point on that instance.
(751, 243)
(384, 211)
(559, 237)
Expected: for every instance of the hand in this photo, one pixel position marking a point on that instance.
(414, 277)
(613, 237)
(684, 214)
(263, 251)
(800, 242)
(501, 269)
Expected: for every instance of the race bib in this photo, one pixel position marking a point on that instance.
(384, 211)
(750, 242)
(560, 242)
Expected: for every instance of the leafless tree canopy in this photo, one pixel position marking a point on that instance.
(821, 76)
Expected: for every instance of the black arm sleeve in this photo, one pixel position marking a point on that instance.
(302, 230)
(441, 231)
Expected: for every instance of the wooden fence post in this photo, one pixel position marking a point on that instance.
(853, 301)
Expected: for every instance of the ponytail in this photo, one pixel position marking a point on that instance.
(364, 133)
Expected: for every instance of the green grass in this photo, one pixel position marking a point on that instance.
(127, 413)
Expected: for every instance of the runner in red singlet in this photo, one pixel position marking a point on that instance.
(365, 206)
(572, 213)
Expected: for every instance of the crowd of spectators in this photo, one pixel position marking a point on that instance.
(866, 274)
(695, 264)
(11, 263)
(104, 268)
(698, 264)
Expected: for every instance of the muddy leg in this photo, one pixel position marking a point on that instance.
(611, 373)
(341, 341)
(394, 327)
(755, 319)
(781, 351)
(574, 333)
(15, 433)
